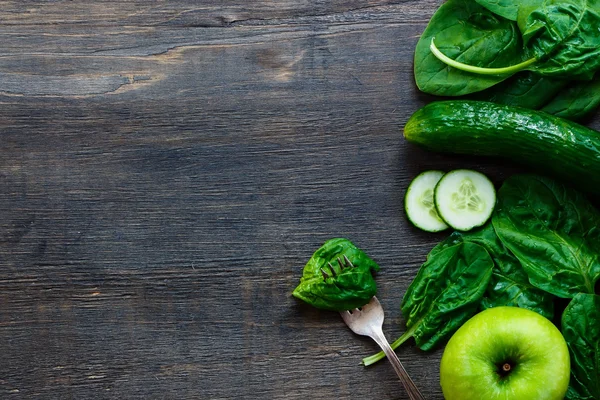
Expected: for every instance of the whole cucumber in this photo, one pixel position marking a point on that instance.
(546, 143)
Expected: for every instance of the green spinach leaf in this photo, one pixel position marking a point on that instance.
(445, 293)
(325, 285)
(525, 89)
(469, 33)
(563, 36)
(509, 284)
(554, 232)
(560, 39)
(508, 9)
(581, 329)
(577, 101)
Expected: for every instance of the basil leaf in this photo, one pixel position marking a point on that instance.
(340, 289)
(509, 284)
(469, 33)
(577, 101)
(524, 89)
(445, 293)
(581, 329)
(553, 231)
(563, 36)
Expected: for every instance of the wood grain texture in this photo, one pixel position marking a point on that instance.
(167, 168)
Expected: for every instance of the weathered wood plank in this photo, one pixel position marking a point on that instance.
(87, 50)
(187, 12)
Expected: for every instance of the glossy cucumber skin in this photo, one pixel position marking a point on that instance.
(546, 143)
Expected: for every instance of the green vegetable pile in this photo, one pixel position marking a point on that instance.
(542, 244)
(547, 51)
(523, 69)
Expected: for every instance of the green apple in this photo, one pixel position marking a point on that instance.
(506, 353)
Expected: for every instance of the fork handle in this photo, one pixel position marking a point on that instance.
(409, 385)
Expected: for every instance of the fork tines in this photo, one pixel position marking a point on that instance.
(345, 263)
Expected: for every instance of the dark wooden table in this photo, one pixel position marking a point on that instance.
(167, 168)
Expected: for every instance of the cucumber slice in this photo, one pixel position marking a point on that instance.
(464, 199)
(419, 204)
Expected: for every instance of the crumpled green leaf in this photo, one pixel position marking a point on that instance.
(581, 330)
(553, 230)
(563, 35)
(340, 289)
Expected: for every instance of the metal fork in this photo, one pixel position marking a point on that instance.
(368, 321)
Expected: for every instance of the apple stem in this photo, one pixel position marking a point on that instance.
(506, 367)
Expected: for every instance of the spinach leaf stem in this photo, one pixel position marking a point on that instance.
(479, 70)
(381, 355)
